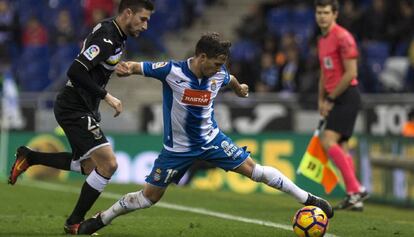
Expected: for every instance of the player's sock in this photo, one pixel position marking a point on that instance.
(91, 189)
(274, 178)
(350, 161)
(341, 161)
(58, 160)
(129, 202)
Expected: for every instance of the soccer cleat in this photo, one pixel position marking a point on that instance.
(91, 225)
(321, 203)
(71, 229)
(353, 201)
(359, 206)
(20, 164)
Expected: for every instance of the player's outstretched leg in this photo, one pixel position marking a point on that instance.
(128, 203)
(21, 164)
(275, 179)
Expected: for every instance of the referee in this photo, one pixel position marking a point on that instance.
(339, 98)
(76, 108)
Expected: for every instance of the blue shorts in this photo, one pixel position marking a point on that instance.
(171, 166)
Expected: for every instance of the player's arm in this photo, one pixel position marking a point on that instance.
(80, 77)
(96, 49)
(350, 72)
(158, 70)
(321, 90)
(349, 54)
(124, 69)
(241, 90)
(324, 105)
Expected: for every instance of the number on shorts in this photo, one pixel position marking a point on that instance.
(170, 174)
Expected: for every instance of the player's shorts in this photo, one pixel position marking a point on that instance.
(82, 130)
(342, 117)
(171, 166)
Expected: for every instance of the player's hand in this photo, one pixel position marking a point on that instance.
(124, 69)
(114, 103)
(325, 107)
(243, 91)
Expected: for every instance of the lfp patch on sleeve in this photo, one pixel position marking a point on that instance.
(91, 52)
(159, 65)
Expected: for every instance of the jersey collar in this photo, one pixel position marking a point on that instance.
(332, 29)
(121, 33)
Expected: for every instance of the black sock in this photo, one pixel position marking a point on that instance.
(86, 199)
(58, 160)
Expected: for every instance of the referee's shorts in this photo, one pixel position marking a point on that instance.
(342, 117)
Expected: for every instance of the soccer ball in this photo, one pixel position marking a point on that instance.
(310, 221)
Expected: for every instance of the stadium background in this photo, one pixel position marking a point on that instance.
(273, 52)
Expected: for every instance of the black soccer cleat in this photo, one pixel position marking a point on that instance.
(71, 229)
(91, 225)
(353, 201)
(20, 165)
(321, 203)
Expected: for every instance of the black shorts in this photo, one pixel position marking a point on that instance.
(342, 117)
(82, 130)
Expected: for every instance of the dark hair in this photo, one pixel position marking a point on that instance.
(135, 5)
(211, 44)
(323, 3)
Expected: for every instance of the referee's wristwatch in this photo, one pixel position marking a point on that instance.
(330, 99)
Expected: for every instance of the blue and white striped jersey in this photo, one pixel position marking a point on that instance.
(188, 104)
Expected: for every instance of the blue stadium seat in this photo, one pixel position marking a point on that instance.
(245, 51)
(278, 21)
(374, 55)
(376, 52)
(33, 69)
(29, 8)
(61, 60)
(74, 7)
(303, 25)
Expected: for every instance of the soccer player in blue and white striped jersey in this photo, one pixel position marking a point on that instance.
(191, 132)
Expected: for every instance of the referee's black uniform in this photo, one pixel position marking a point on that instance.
(77, 104)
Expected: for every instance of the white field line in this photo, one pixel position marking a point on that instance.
(201, 211)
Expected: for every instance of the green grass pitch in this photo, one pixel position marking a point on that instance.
(39, 209)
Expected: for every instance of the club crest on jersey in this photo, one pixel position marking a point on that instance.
(213, 85)
(91, 52)
(196, 97)
(158, 65)
(157, 175)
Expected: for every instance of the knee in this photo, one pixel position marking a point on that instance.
(87, 166)
(107, 164)
(112, 166)
(327, 143)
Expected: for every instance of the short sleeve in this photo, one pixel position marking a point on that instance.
(97, 48)
(158, 70)
(226, 80)
(347, 47)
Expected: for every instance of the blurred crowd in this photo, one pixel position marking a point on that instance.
(276, 47)
(40, 38)
(275, 50)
